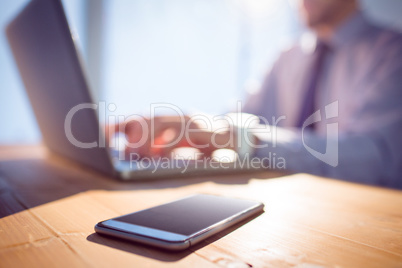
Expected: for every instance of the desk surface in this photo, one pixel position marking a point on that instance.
(48, 209)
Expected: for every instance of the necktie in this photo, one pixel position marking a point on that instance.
(308, 107)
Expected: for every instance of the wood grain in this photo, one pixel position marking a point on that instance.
(49, 209)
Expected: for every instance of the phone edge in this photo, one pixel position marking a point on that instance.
(178, 246)
(219, 227)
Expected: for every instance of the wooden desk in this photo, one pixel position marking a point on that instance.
(48, 209)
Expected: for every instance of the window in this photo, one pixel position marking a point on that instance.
(195, 54)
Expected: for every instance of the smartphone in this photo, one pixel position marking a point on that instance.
(182, 223)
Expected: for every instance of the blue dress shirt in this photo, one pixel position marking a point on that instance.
(361, 81)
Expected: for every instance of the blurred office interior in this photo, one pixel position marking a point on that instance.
(200, 55)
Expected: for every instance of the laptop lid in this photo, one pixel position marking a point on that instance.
(50, 68)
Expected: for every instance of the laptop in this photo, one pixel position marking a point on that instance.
(54, 79)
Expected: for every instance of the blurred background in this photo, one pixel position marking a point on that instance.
(200, 55)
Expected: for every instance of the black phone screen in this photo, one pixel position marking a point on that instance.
(190, 215)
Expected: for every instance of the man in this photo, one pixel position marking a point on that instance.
(348, 70)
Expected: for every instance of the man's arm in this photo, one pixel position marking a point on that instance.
(373, 158)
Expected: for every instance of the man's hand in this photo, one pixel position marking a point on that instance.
(159, 136)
